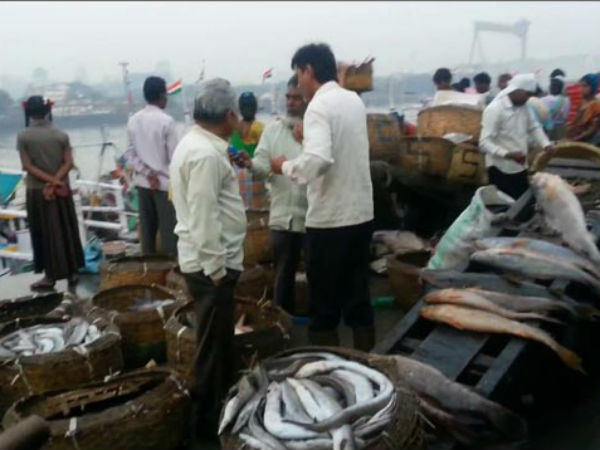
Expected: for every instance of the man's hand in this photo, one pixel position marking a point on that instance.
(153, 180)
(298, 132)
(243, 160)
(276, 164)
(517, 157)
(56, 182)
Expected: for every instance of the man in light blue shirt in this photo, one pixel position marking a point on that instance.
(287, 213)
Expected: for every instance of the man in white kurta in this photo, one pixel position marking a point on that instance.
(339, 222)
(211, 226)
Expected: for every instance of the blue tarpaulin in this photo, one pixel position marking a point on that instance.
(8, 184)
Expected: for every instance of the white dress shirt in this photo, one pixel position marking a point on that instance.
(288, 207)
(211, 220)
(152, 137)
(335, 159)
(507, 129)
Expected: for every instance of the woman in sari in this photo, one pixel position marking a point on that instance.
(586, 125)
(47, 158)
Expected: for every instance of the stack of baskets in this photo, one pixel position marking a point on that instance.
(149, 269)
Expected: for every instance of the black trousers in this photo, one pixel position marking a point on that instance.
(157, 214)
(287, 247)
(515, 185)
(214, 365)
(337, 268)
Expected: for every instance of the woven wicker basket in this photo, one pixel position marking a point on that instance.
(147, 270)
(142, 410)
(357, 77)
(467, 166)
(271, 324)
(428, 156)
(257, 249)
(54, 304)
(252, 283)
(405, 433)
(440, 120)
(59, 370)
(142, 331)
(567, 149)
(403, 273)
(384, 137)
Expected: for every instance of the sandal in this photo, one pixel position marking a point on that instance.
(44, 284)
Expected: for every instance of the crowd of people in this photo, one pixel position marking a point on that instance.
(316, 162)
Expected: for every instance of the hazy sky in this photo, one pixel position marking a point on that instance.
(239, 40)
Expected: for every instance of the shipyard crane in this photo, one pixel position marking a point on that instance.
(518, 29)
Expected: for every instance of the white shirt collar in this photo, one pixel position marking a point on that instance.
(326, 87)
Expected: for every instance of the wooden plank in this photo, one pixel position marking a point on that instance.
(449, 350)
(389, 342)
(590, 164)
(574, 173)
(501, 365)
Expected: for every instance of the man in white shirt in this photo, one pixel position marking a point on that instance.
(507, 126)
(287, 213)
(211, 226)
(152, 136)
(339, 222)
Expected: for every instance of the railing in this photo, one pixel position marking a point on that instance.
(17, 217)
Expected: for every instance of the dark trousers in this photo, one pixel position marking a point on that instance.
(286, 247)
(157, 214)
(515, 185)
(337, 269)
(214, 365)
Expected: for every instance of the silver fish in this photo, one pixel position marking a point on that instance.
(273, 421)
(563, 213)
(362, 386)
(341, 385)
(540, 246)
(293, 409)
(260, 433)
(534, 265)
(348, 414)
(251, 405)
(243, 393)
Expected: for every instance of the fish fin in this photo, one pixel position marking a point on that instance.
(571, 359)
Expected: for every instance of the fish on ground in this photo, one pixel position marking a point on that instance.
(482, 321)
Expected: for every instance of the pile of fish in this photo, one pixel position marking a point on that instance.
(309, 401)
(469, 417)
(48, 338)
(495, 312)
(144, 304)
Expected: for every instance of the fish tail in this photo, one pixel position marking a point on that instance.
(571, 359)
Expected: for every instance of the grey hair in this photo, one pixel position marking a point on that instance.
(215, 97)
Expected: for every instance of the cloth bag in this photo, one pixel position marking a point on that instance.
(475, 222)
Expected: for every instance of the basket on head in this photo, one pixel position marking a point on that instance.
(142, 410)
(438, 121)
(54, 303)
(142, 330)
(257, 248)
(62, 369)
(271, 327)
(406, 432)
(147, 270)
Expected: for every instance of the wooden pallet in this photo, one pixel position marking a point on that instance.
(488, 363)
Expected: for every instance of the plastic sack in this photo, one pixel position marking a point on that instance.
(474, 223)
(92, 254)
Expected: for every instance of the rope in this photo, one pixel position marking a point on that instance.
(179, 334)
(179, 386)
(161, 314)
(21, 375)
(83, 351)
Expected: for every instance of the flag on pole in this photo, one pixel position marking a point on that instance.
(267, 74)
(175, 88)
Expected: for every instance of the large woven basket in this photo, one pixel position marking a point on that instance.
(147, 270)
(59, 370)
(271, 324)
(567, 149)
(407, 430)
(440, 120)
(384, 137)
(427, 156)
(142, 331)
(403, 274)
(142, 410)
(55, 303)
(257, 249)
(357, 77)
(252, 283)
(467, 166)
